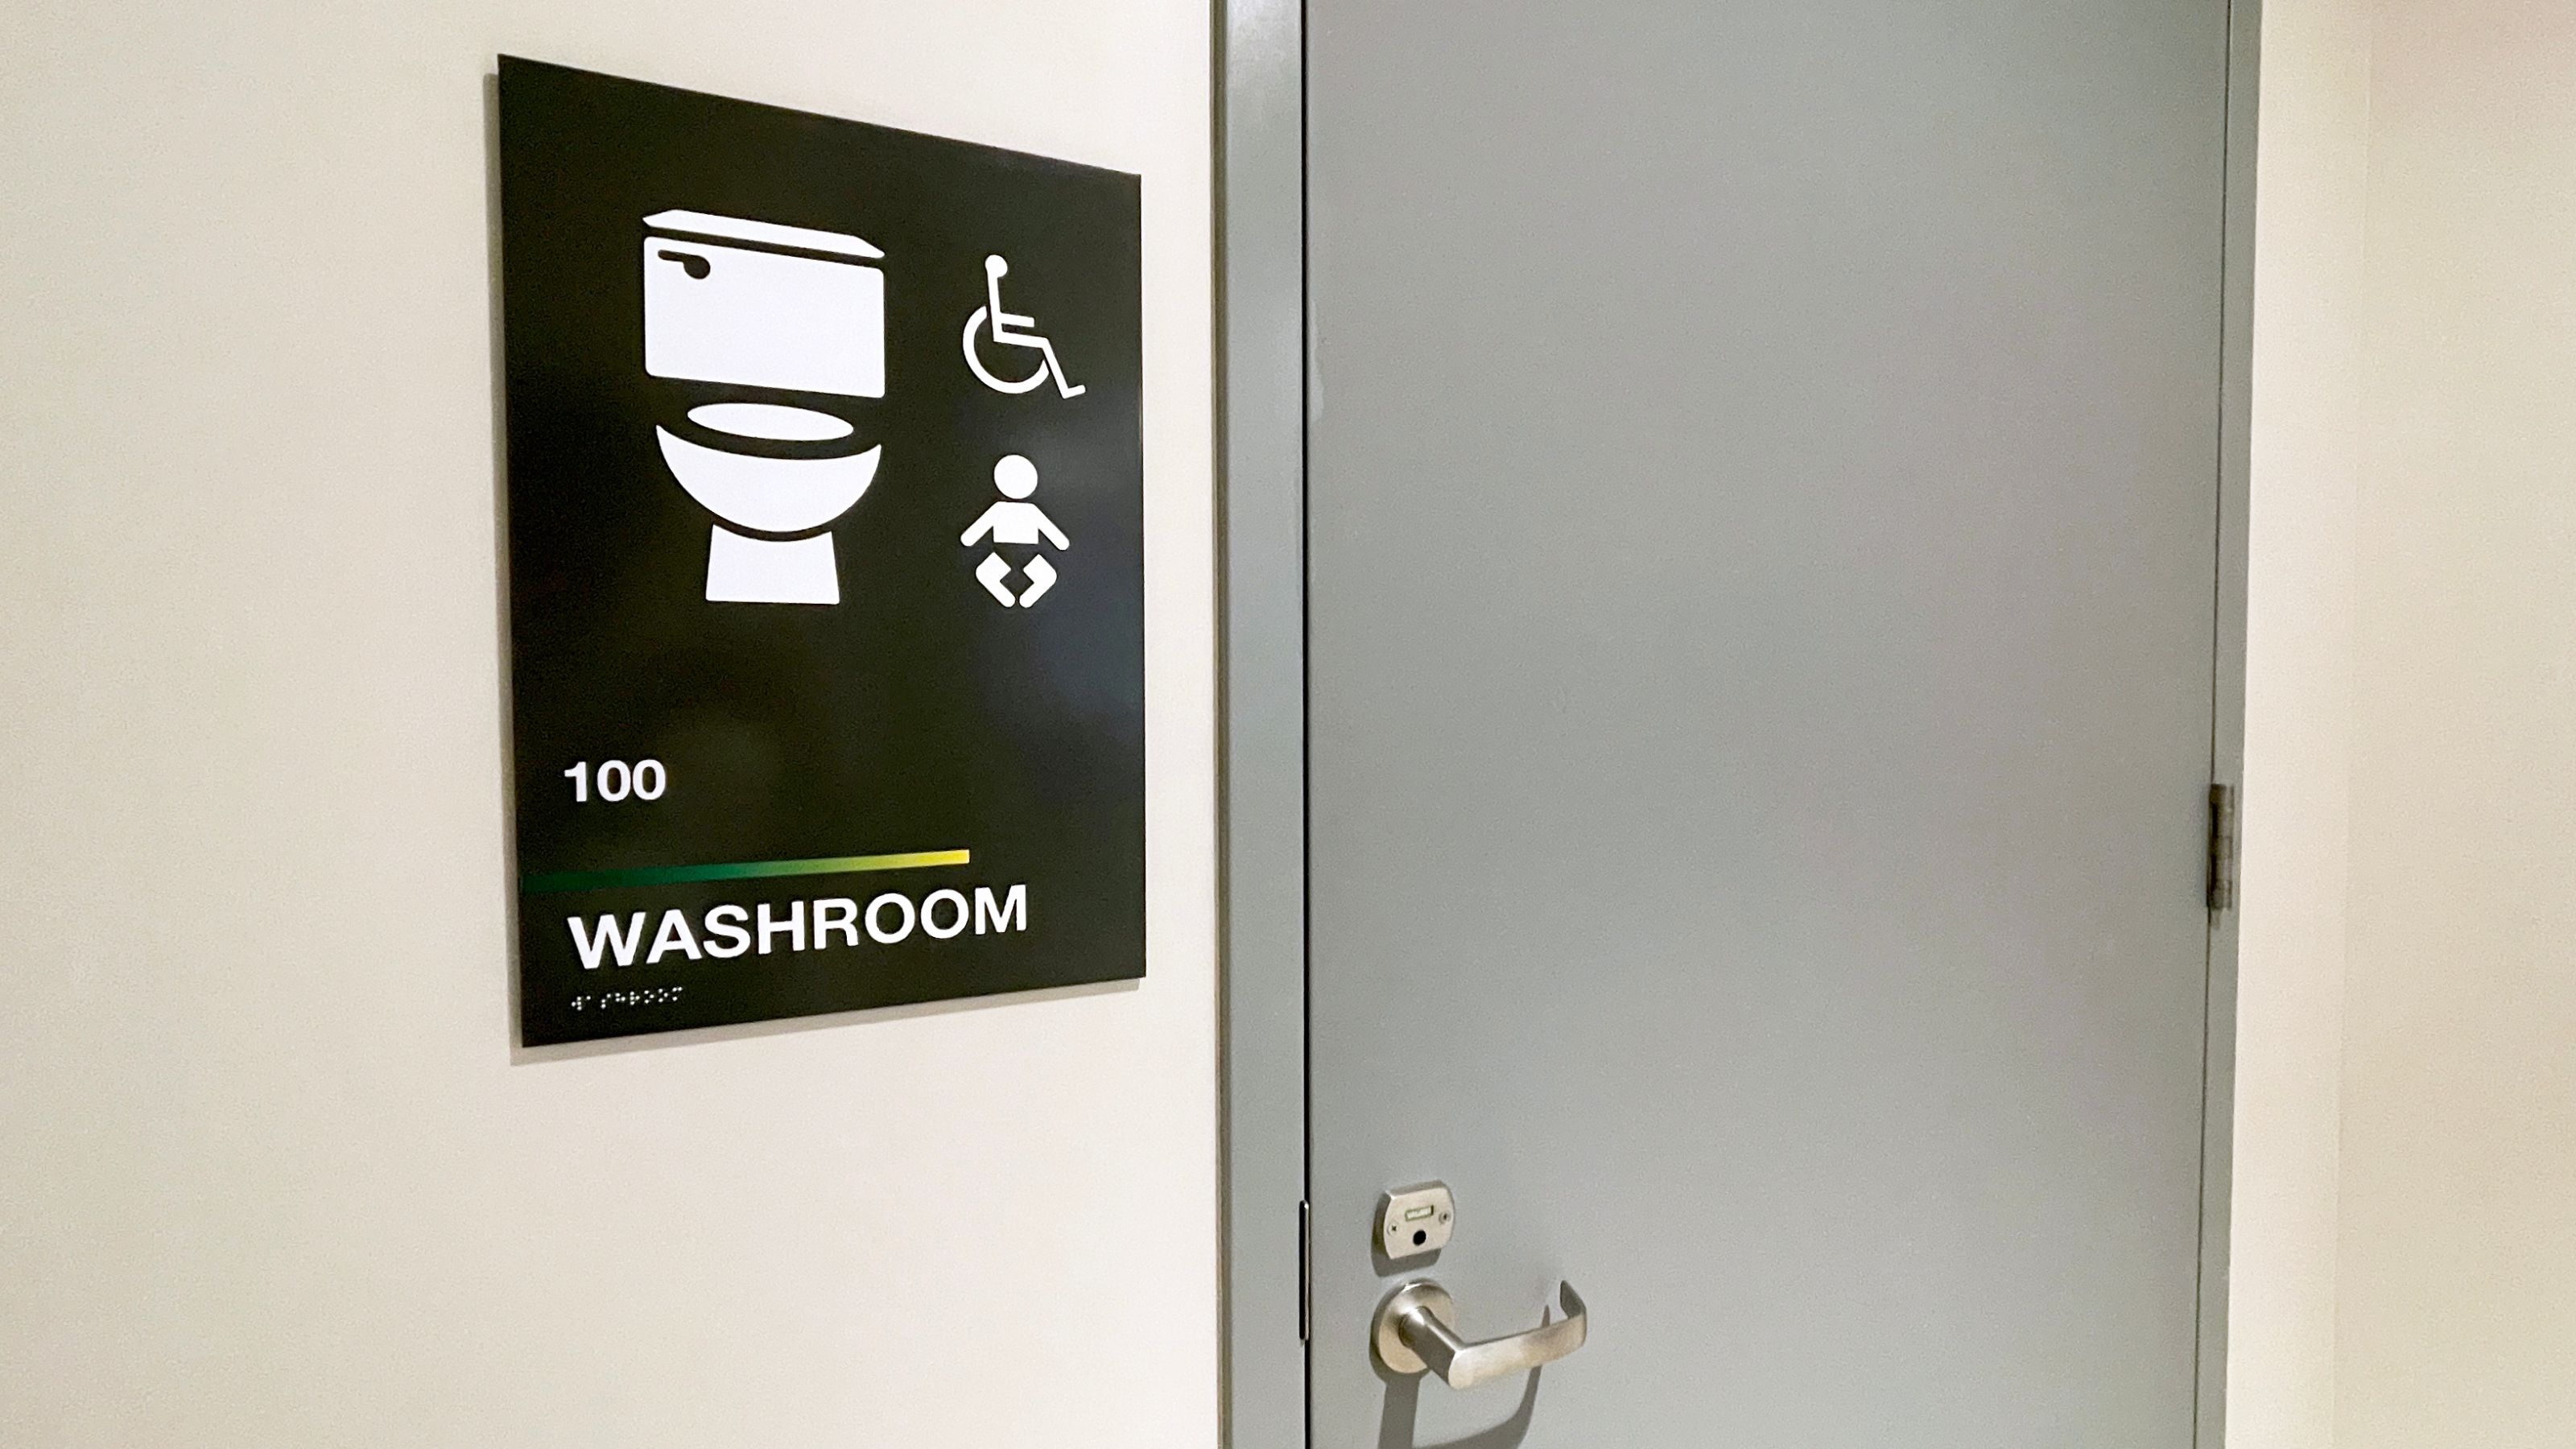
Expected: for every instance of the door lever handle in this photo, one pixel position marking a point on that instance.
(1416, 1330)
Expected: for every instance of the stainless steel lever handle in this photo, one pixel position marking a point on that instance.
(1416, 1330)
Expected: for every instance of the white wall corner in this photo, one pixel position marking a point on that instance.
(2312, 177)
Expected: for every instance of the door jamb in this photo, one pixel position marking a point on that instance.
(1259, 117)
(2227, 706)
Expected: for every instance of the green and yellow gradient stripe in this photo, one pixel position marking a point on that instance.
(662, 875)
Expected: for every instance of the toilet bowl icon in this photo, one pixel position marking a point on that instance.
(759, 305)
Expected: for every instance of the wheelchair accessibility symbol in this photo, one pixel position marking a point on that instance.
(1007, 329)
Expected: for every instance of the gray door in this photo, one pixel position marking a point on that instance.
(1763, 507)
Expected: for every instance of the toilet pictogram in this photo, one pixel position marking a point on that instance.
(787, 310)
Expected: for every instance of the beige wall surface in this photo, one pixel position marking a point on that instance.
(270, 1170)
(2458, 1233)
(2311, 186)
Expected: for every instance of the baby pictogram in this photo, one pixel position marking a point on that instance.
(1008, 329)
(1014, 520)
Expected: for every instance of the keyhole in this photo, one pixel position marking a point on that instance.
(696, 266)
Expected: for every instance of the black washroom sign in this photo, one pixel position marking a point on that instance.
(825, 483)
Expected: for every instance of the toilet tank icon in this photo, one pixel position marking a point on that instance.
(758, 304)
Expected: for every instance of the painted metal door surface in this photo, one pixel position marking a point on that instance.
(1763, 526)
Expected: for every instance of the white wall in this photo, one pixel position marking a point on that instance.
(2418, 213)
(2458, 1281)
(270, 1172)
(2311, 185)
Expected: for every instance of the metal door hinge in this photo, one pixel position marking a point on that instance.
(1305, 1269)
(2222, 847)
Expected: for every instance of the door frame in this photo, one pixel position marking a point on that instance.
(1258, 116)
(1260, 142)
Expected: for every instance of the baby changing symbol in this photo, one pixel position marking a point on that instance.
(1014, 520)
